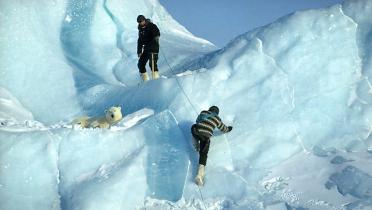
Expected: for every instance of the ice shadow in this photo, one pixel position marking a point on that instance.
(193, 155)
(95, 94)
(77, 193)
(167, 160)
(75, 37)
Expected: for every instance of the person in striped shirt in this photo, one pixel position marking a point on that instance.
(202, 131)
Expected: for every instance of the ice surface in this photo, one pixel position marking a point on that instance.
(330, 182)
(69, 48)
(11, 108)
(32, 61)
(102, 166)
(28, 171)
(297, 92)
(167, 160)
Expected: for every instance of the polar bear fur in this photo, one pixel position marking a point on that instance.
(112, 116)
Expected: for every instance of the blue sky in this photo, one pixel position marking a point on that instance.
(219, 21)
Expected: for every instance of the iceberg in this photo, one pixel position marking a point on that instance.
(296, 91)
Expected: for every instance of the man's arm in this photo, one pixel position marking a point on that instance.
(222, 127)
(155, 32)
(139, 47)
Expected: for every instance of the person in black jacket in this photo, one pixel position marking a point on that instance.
(202, 131)
(147, 47)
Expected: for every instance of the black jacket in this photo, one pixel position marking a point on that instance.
(146, 38)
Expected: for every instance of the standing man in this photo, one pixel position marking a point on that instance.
(202, 131)
(147, 47)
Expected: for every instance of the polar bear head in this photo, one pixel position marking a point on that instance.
(113, 115)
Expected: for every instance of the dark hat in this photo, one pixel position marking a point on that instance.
(140, 18)
(214, 109)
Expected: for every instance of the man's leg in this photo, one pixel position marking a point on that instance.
(154, 65)
(203, 152)
(195, 138)
(142, 66)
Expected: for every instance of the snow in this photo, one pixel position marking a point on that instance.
(297, 93)
(11, 108)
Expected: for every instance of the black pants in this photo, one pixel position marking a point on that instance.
(204, 145)
(146, 56)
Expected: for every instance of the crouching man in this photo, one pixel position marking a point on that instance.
(202, 131)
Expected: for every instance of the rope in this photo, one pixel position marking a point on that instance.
(179, 84)
(189, 100)
(201, 195)
(152, 66)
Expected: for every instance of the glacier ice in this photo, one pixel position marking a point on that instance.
(297, 92)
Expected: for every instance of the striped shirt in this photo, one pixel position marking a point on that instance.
(206, 127)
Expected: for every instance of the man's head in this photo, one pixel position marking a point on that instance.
(141, 20)
(214, 109)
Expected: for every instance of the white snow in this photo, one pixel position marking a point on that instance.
(297, 92)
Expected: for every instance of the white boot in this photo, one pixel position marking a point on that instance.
(144, 77)
(199, 179)
(155, 75)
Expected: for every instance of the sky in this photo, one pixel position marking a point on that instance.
(220, 21)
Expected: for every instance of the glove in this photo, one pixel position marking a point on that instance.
(229, 128)
(157, 39)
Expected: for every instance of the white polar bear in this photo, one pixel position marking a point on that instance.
(112, 116)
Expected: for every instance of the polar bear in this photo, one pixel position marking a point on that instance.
(112, 116)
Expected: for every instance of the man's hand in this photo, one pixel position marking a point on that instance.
(139, 55)
(157, 39)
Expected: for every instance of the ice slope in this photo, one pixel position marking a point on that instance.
(93, 169)
(313, 65)
(296, 91)
(31, 59)
(340, 180)
(11, 108)
(54, 52)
